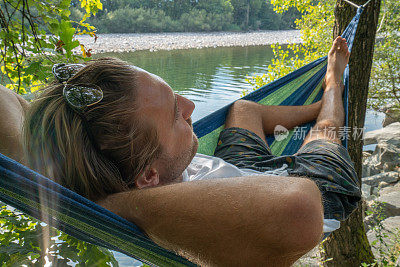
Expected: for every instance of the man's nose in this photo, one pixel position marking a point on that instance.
(186, 105)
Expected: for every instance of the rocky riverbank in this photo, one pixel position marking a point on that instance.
(169, 41)
(381, 192)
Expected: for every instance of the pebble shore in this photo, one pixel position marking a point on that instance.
(169, 41)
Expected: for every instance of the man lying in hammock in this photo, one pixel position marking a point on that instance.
(140, 136)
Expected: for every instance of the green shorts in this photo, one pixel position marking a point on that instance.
(326, 163)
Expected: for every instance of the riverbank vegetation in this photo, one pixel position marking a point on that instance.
(316, 24)
(36, 34)
(135, 16)
(385, 77)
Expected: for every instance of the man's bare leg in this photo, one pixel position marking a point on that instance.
(262, 120)
(331, 116)
(12, 110)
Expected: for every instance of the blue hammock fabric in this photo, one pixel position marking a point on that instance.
(73, 214)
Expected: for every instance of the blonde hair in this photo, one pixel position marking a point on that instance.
(100, 151)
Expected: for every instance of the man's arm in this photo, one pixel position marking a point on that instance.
(266, 220)
(12, 112)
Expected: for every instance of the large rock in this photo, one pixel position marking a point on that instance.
(383, 240)
(388, 154)
(388, 177)
(371, 166)
(390, 132)
(390, 203)
(386, 157)
(390, 189)
(391, 115)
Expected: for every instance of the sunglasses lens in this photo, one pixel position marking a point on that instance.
(81, 96)
(63, 72)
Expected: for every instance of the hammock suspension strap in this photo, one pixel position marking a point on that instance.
(357, 6)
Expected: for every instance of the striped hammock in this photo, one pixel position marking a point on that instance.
(69, 212)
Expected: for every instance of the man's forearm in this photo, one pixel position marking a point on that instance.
(12, 111)
(228, 221)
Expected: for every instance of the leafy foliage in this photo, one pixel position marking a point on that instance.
(26, 241)
(315, 24)
(142, 20)
(188, 15)
(35, 35)
(200, 20)
(385, 76)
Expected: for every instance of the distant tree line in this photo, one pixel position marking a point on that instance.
(128, 16)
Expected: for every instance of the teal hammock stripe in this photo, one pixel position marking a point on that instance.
(77, 216)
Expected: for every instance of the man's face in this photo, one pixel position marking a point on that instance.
(170, 114)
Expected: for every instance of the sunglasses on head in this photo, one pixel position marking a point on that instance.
(78, 96)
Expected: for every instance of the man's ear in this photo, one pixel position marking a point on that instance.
(148, 178)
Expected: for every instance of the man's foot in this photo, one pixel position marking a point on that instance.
(338, 57)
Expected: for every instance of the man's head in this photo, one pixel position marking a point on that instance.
(169, 113)
(126, 139)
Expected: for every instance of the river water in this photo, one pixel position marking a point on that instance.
(211, 78)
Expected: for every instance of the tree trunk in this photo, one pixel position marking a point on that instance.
(349, 245)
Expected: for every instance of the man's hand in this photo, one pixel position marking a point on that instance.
(260, 220)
